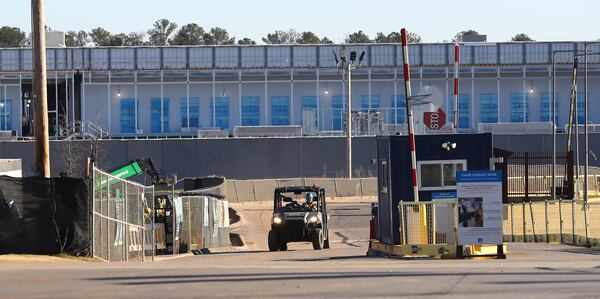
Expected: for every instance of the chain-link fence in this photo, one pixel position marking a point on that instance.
(553, 221)
(201, 222)
(428, 223)
(122, 219)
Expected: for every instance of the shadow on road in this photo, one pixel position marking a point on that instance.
(258, 277)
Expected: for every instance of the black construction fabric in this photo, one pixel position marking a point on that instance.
(44, 216)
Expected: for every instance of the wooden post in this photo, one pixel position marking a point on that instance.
(42, 145)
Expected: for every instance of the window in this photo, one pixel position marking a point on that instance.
(6, 115)
(337, 112)
(220, 112)
(581, 108)
(489, 108)
(128, 116)
(464, 111)
(519, 107)
(365, 105)
(399, 115)
(193, 115)
(250, 111)
(280, 111)
(545, 108)
(159, 117)
(439, 175)
(309, 102)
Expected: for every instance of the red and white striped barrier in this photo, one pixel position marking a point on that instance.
(411, 130)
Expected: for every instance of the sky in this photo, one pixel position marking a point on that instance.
(434, 21)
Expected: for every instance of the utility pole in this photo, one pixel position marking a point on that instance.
(42, 144)
(349, 123)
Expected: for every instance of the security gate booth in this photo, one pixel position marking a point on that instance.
(439, 158)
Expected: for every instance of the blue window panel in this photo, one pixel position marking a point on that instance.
(488, 108)
(128, 116)
(280, 111)
(250, 111)
(337, 112)
(194, 113)
(545, 107)
(581, 108)
(6, 115)
(309, 102)
(155, 114)
(464, 111)
(221, 112)
(519, 107)
(373, 105)
(399, 114)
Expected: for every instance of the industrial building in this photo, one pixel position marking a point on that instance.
(174, 91)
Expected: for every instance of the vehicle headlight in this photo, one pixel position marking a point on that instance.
(276, 220)
(313, 219)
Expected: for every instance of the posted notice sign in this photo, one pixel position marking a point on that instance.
(479, 207)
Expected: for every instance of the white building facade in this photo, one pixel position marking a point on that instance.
(141, 91)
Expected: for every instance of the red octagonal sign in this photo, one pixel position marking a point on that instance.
(435, 120)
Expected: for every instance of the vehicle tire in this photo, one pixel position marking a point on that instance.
(326, 244)
(283, 246)
(317, 239)
(273, 242)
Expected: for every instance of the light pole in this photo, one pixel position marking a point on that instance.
(348, 66)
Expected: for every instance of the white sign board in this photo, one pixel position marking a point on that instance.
(479, 207)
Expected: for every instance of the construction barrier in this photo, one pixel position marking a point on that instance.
(201, 222)
(239, 191)
(122, 219)
(554, 221)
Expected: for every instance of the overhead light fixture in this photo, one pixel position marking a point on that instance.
(119, 92)
(223, 92)
(326, 91)
(448, 145)
(343, 54)
(28, 101)
(531, 90)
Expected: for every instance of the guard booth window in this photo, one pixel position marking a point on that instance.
(439, 175)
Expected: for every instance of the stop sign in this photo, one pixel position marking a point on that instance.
(435, 120)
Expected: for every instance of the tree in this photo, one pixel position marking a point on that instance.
(278, 37)
(412, 38)
(308, 37)
(12, 37)
(134, 39)
(161, 32)
(190, 34)
(218, 36)
(76, 38)
(522, 37)
(326, 40)
(246, 41)
(459, 36)
(358, 38)
(100, 37)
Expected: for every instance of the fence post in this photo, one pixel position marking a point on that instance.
(524, 220)
(512, 221)
(585, 209)
(546, 219)
(573, 219)
(107, 221)
(532, 222)
(126, 228)
(526, 177)
(561, 219)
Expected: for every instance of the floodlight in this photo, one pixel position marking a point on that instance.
(353, 56)
(343, 54)
(336, 58)
(362, 57)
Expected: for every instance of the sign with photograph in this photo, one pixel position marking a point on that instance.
(479, 207)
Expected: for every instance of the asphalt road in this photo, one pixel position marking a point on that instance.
(532, 271)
